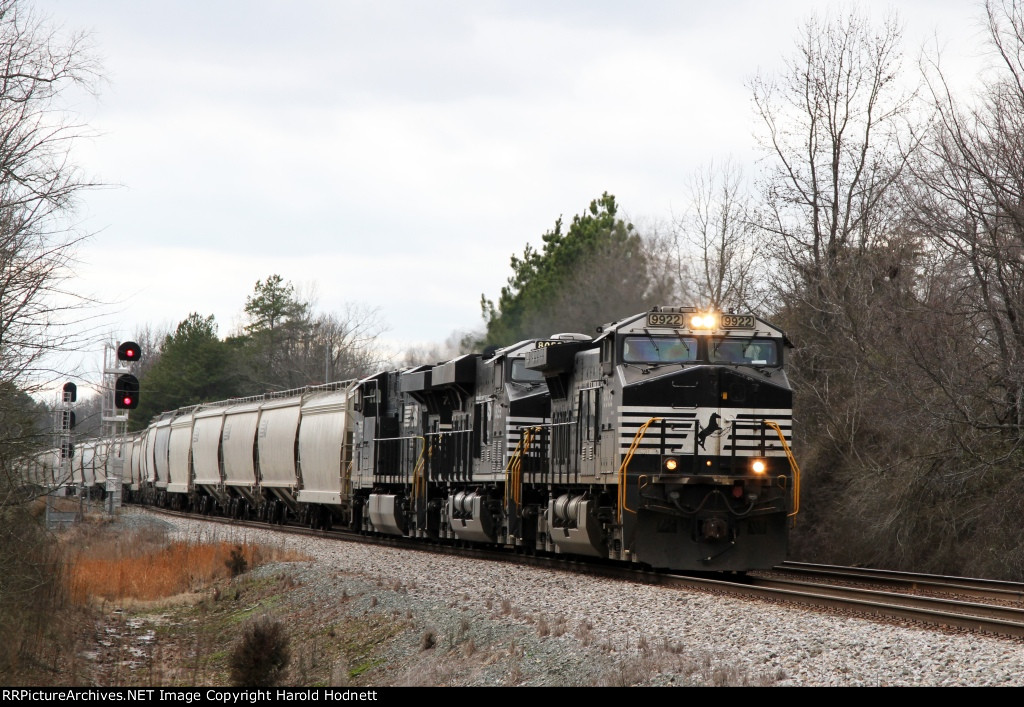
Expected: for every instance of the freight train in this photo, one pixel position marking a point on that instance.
(664, 440)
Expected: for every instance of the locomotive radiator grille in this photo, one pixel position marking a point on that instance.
(678, 427)
(749, 434)
(514, 433)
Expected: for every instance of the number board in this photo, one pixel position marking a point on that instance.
(737, 321)
(546, 343)
(666, 319)
(678, 319)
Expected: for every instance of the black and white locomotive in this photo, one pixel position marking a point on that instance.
(663, 441)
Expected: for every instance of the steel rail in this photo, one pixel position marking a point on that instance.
(980, 588)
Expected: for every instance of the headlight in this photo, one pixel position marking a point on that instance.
(670, 464)
(758, 466)
(703, 321)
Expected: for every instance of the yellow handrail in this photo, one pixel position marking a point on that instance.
(792, 465)
(419, 484)
(513, 469)
(346, 480)
(625, 464)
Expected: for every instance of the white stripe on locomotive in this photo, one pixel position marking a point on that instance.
(514, 431)
(679, 427)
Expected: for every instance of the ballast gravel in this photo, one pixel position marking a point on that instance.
(482, 623)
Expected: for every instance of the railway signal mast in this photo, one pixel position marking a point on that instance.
(120, 394)
(64, 425)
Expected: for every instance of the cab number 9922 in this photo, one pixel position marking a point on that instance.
(674, 319)
(737, 321)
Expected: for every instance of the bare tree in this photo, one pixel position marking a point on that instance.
(456, 344)
(150, 339)
(671, 269)
(38, 314)
(836, 134)
(835, 120)
(289, 345)
(964, 326)
(350, 342)
(834, 124)
(716, 243)
(38, 187)
(968, 196)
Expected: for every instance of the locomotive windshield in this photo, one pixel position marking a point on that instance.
(659, 349)
(683, 349)
(756, 352)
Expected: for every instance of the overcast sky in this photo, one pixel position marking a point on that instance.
(395, 154)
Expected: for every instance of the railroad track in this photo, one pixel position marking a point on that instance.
(930, 602)
(981, 590)
(954, 603)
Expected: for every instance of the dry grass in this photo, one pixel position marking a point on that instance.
(143, 566)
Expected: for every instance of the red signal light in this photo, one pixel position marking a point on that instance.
(126, 392)
(129, 351)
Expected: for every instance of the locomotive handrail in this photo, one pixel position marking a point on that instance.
(417, 472)
(451, 447)
(513, 469)
(792, 465)
(625, 464)
(346, 478)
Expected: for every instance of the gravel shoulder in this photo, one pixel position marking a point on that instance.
(363, 616)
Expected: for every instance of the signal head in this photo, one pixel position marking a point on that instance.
(126, 392)
(129, 351)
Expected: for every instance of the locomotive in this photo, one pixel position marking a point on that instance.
(664, 441)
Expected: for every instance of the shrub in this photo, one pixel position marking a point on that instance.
(261, 655)
(32, 591)
(236, 563)
(428, 640)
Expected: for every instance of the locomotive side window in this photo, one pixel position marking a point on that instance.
(522, 374)
(659, 349)
(755, 352)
